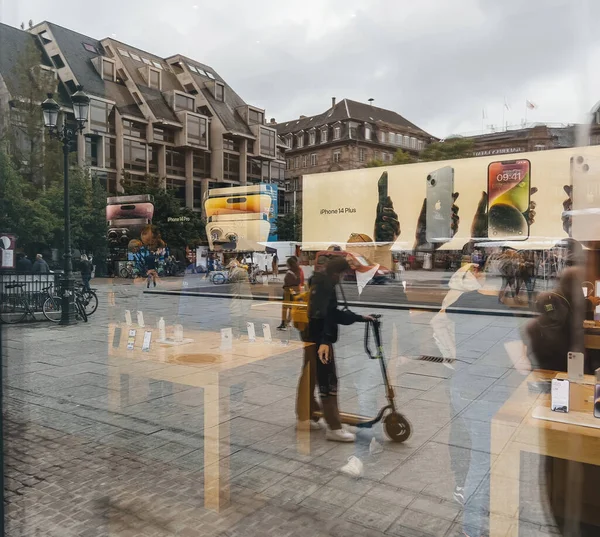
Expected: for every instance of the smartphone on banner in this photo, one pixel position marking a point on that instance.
(560, 395)
(585, 180)
(509, 189)
(238, 204)
(440, 186)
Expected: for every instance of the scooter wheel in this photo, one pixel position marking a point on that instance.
(397, 427)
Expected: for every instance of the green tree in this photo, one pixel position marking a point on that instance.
(179, 226)
(88, 212)
(400, 157)
(289, 226)
(35, 155)
(452, 148)
(30, 220)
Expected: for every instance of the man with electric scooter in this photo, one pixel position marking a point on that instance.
(322, 332)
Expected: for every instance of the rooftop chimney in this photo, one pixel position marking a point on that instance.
(332, 102)
(371, 101)
(302, 117)
(273, 122)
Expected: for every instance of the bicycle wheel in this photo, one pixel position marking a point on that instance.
(124, 273)
(12, 309)
(89, 301)
(51, 309)
(80, 310)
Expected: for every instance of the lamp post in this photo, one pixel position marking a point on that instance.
(65, 134)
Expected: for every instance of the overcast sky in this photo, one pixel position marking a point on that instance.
(440, 63)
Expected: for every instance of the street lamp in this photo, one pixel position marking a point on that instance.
(65, 134)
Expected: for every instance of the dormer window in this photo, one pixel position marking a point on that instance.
(219, 92)
(289, 140)
(255, 117)
(184, 102)
(108, 70)
(312, 137)
(368, 132)
(337, 132)
(324, 135)
(300, 140)
(154, 78)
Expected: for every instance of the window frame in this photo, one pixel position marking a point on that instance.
(152, 71)
(128, 147)
(362, 154)
(186, 98)
(336, 156)
(300, 140)
(271, 150)
(202, 139)
(220, 96)
(337, 132)
(368, 132)
(313, 159)
(312, 137)
(324, 135)
(106, 61)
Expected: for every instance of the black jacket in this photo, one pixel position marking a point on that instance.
(85, 268)
(323, 313)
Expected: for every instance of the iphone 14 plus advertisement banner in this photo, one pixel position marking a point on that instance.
(241, 214)
(524, 200)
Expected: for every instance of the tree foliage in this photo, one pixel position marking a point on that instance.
(179, 226)
(453, 148)
(400, 157)
(289, 227)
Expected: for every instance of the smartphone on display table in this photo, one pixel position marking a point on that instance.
(440, 186)
(509, 190)
(597, 401)
(560, 395)
(585, 180)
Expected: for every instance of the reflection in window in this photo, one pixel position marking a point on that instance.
(183, 102)
(267, 142)
(230, 144)
(134, 155)
(231, 166)
(255, 117)
(99, 115)
(164, 135)
(175, 162)
(110, 153)
(134, 129)
(201, 164)
(196, 130)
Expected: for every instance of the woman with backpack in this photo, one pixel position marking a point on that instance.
(292, 282)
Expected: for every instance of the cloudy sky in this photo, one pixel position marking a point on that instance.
(441, 63)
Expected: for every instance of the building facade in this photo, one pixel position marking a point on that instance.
(537, 137)
(173, 117)
(346, 136)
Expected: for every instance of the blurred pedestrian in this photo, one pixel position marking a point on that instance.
(40, 266)
(275, 267)
(292, 282)
(85, 267)
(24, 264)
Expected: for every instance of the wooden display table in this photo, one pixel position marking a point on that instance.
(198, 363)
(571, 437)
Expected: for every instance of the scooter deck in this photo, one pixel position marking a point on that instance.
(354, 419)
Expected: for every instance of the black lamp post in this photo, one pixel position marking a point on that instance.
(65, 134)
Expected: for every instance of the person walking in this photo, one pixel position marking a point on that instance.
(40, 266)
(275, 267)
(24, 264)
(293, 280)
(86, 272)
(150, 262)
(319, 360)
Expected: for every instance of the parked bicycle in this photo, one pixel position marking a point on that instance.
(53, 305)
(130, 271)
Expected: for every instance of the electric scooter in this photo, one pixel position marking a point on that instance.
(396, 426)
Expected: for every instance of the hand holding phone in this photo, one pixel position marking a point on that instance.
(387, 226)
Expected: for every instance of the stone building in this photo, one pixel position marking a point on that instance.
(346, 136)
(173, 117)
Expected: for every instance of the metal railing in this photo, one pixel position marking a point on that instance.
(34, 286)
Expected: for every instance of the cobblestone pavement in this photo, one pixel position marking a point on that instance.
(93, 451)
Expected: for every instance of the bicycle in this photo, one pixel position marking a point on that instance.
(129, 271)
(14, 307)
(53, 305)
(88, 298)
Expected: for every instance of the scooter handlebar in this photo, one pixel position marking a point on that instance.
(375, 323)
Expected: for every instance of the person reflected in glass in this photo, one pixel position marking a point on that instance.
(324, 316)
(85, 267)
(292, 283)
